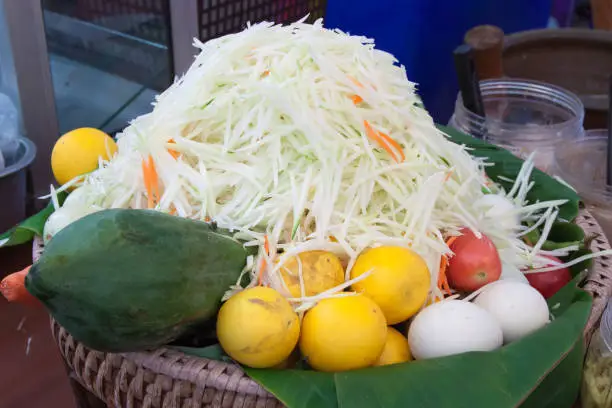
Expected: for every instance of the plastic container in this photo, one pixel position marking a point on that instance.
(597, 379)
(8, 76)
(9, 129)
(523, 117)
(422, 35)
(582, 164)
(13, 185)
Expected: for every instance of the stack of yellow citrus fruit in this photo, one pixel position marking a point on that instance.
(349, 330)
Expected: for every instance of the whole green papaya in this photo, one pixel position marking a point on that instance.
(127, 280)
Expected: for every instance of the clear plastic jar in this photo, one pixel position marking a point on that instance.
(582, 164)
(597, 379)
(523, 116)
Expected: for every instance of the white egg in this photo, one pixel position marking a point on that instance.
(518, 308)
(511, 272)
(453, 327)
(499, 208)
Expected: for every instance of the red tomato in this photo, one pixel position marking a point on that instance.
(475, 262)
(549, 283)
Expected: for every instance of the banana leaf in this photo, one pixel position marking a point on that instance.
(542, 370)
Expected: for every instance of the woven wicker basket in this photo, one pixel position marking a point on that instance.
(169, 379)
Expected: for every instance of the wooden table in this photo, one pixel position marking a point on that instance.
(40, 379)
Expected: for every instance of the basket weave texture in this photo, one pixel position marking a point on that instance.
(167, 378)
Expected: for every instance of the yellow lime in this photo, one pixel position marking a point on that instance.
(399, 282)
(78, 151)
(396, 349)
(258, 327)
(321, 270)
(343, 333)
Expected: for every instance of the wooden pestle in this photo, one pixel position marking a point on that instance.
(487, 41)
(602, 14)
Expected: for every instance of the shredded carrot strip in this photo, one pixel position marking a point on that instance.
(173, 153)
(207, 219)
(381, 142)
(151, 182)
(356, 99)
(442, 279)
(355, 81)
(450, 241)
(448, 176)
(265, 73)
(154, 180)
(263, 263)
(147, 182)
(393, 143)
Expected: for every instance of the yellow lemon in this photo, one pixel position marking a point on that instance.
(258, 327)
(344, 333)
(399, 282)
(321, 270)
(77, 152)
(396, 349)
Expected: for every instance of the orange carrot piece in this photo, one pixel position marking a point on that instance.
(381, 142)
(146, 175)
(265, 73)
(393, 143)
(151, 182)
(173, 153)
(355, 81)
(154, 180)
(448, 176)
(356, 99)
(13, 288)
(442, 278)
(263, 263)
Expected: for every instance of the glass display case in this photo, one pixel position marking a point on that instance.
(100, 63)
(108, 59)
